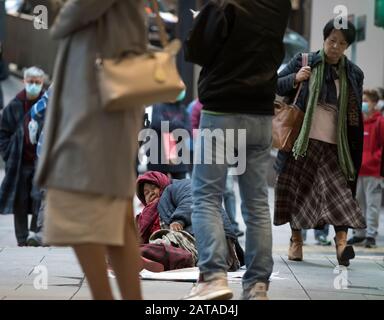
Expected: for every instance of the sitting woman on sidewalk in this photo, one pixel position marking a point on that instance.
(165, 223)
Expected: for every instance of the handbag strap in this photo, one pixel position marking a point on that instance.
(160, 24)
(304, 63)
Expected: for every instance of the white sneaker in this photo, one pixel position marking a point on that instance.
(210, 290)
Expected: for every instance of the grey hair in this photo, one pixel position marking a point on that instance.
(34, 72)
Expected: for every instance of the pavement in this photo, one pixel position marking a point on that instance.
(22, 270)
(315, 278)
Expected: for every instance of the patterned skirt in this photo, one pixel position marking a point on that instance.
(312, 191)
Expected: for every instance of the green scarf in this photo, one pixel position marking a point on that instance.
(315, 86)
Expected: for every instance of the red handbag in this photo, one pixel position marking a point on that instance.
(286, 123)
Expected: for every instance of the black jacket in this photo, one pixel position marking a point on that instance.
(11, 150)
(240, 51)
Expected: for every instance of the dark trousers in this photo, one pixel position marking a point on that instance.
(40, 214)
(27, 202)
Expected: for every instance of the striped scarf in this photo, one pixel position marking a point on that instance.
(315, 85)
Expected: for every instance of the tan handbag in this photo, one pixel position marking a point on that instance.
(286, 123)
(137, 80)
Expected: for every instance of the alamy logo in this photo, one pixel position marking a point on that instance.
(341, 280)
(215, 146)
(341, 19)
(40, 20)
(40, 282)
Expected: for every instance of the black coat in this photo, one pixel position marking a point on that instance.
(355, 125)
(11, 150)
(240, 52)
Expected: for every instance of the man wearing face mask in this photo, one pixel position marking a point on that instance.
(369, 185)
(20, 156)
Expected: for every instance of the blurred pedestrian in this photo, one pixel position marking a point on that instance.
(232, 40)
(317, 181)
(88, 160)
(321, 236)
(3, 76)
(17, 189)
(194, 111)
(171, 116)
(370, 182)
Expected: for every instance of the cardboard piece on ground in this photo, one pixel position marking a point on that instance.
(192, 274)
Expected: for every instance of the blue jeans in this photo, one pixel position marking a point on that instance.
(208, 187)
(230, 202)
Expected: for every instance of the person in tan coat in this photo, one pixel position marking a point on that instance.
(88, 158)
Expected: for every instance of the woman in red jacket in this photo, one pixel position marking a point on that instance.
(369, 186)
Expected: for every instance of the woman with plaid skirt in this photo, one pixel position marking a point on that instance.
(316, 182)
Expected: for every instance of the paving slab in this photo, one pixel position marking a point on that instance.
(27, 292)
(373, 297)
(314, 278)
(278, 293)
(83, 294)
(331, 295)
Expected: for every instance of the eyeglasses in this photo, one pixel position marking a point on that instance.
(334, 42)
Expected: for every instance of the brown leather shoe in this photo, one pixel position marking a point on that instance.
(344, 252)
(295, 251)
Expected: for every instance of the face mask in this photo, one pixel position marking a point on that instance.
(181, 96)
(33, 89)
(365, 107)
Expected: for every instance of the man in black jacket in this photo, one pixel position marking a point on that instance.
(239, 44)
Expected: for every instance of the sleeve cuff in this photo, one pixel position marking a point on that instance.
(180, 222)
